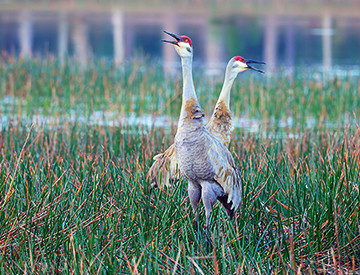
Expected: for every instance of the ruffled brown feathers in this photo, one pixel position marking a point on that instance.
(222, 114)
(193, 110)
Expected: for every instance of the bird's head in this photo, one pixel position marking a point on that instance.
(182, 44)
(240, 64)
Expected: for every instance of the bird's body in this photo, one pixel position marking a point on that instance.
(202, 158)
(165, 168)
(208, 165)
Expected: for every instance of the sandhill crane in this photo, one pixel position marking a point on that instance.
(164, 169)
(220, 124)
(203, 159)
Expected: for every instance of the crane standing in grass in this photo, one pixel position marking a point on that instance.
(202, 158)
(164, 168)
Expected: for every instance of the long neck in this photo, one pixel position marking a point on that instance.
(188, 84)
(230, 76)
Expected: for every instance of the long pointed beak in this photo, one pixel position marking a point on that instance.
(254, 62)
(171, 42)
(177, 37)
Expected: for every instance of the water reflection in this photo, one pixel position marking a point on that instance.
(323, 40)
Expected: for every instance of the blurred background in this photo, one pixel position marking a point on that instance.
(285, 34)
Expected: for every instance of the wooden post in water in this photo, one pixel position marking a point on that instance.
(62, 36)
(214, 47)
(118, 36)
(326, 42)
(80, 40)
(25, 33)
(270, 43)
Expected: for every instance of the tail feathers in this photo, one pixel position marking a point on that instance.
(158, 156)
(227, 205)
(163, 170)
(158, 171)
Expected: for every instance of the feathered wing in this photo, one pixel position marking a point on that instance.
(227, 175)
(164, 169)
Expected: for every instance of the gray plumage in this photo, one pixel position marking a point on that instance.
(209, 167)
(165, 170)
(202, 158)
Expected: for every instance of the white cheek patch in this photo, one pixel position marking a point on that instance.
(243, 65)
(183, 49)
(183, 44)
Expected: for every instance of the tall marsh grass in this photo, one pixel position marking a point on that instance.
(50, 87)
(74, 196)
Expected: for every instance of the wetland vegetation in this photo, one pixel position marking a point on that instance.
(73, 190)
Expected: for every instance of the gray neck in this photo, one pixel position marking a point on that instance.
(230, 76)
(188, 84)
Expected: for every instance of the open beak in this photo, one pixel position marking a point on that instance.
(177, 37)
(254, 62)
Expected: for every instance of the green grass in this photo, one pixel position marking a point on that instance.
(51, 88)
(74, 196)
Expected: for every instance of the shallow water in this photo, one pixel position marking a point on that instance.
(12, 111)
(284, 127)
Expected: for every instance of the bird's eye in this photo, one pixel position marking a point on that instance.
(188, 49)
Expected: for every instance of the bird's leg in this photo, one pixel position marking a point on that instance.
(207, 214)
(209, 193)
(194, 191)
(208, 205)
(198, 238)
